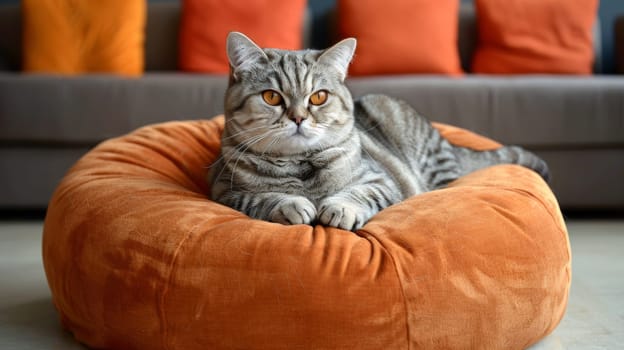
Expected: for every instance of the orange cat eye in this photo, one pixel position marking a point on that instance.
(271, 97)
(319, 97)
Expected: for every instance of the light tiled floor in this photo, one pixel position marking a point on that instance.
(594, 320)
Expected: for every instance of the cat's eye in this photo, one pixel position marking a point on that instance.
(271, 97)
(319, 97)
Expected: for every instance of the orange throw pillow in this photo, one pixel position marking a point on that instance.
(73, 37)
(402, 36)
(206, 23)
(535, 36)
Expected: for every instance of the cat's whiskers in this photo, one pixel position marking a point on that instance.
(375, 126)
(274, 142)
(245, 144)
(240, 145)
(242, 153)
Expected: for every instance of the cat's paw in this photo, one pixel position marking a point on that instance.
(343, 214)
(293, 211)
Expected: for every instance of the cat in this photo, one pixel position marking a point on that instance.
(297, 149)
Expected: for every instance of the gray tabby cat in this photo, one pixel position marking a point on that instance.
(297, 149)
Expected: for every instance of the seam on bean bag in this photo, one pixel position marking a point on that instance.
(564, 236)
(526, 193)
(163, 297)
(370, 237)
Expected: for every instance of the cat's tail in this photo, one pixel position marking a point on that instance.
(471, 160)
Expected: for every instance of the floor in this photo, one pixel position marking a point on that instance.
(594, 320)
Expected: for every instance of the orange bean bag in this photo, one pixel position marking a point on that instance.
(137, 257)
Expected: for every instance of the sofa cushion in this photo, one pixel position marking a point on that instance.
(404, 36)
(206, 23)
(538, 36)
(74, 37)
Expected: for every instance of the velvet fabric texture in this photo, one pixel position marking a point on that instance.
(137, 257)
(76, 37)
(402, 36)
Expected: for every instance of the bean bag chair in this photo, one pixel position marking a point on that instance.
(137, 257)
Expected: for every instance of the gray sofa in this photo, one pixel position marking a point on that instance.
(47, 122)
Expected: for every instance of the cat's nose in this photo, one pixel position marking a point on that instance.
(297, 119)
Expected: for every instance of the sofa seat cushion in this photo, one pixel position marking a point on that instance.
(137, 257)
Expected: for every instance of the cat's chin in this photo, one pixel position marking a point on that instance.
(301, 139)
(299, 143)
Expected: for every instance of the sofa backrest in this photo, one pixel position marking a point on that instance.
(163, 21)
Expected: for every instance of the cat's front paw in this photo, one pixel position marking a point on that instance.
(293, 211)
(343, 214)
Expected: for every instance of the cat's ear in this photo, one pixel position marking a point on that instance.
(242, 52)
(339, 56)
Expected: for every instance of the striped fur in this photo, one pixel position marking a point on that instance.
(337, 163)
